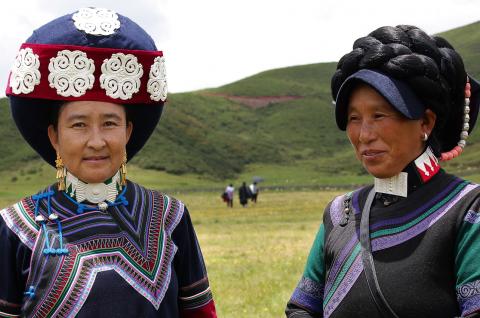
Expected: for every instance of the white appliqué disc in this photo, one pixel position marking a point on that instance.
(157, 81)
(121, 76)
(96, 21)
(96, 193)
(71, 73)
(25, 72)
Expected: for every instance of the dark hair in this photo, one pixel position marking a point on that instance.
(428, 64)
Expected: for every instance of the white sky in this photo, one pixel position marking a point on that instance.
(209, 43)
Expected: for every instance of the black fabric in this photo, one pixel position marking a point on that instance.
(367, 260)
(415, 270)
(14, 269)
(111, 295)
(294, 311)
(417, 276)
(243, 194)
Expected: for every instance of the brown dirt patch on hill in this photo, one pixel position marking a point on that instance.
(258, 101)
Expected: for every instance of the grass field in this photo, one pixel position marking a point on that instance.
(255, 255)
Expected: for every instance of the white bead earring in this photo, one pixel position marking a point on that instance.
(425, 136)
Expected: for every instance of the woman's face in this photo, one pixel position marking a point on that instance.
(384, 140)
(91, 138)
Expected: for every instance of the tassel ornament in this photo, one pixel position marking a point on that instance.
(61, 173)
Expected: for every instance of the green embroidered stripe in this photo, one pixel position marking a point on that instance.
(27, 216)
(97, 251)
(421, 217)
(379, 233)
(80, 255)
(342, 273)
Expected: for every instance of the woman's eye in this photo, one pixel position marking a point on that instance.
(353, 118)
(78, 125)
(379, 115)
(110, 124)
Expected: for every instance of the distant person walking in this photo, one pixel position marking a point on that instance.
(254, 191)
(244, 194)
(229, 191)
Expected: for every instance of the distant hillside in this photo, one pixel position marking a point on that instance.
(467, 41)
(211, 133)
(305, 80)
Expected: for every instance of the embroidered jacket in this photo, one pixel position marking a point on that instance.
(141, 259)
(425, 248)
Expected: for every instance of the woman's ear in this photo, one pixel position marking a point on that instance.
(53, 136)
(428, 121)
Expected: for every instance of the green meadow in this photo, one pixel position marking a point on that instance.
(255, 255)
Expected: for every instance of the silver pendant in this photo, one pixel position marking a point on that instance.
(103, 206)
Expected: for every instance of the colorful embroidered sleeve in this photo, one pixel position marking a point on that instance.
(307, 299)
(14, 264)
(467, 262)
(195, 296)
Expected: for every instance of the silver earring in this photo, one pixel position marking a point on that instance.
(425, 136)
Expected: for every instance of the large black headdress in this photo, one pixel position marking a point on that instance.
(94, 55)
(412, 71)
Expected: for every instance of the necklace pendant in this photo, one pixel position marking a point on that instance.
(103, 206)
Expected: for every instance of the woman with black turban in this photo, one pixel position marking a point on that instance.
(86, 91)
(407, 246)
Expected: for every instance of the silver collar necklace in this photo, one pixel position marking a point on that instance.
(426, 166)
(93, 192)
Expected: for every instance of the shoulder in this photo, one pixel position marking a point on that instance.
(171, 209)
(465, 201)
(335, 208)
(460, 193)
(20, 218)
(167, 200)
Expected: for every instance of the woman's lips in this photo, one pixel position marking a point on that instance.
(372, 154)
(95, 158)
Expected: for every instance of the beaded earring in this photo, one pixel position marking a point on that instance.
(123, 171)
(61, 172)
(457, 150)
(425, 136)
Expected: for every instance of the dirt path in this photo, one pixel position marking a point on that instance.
(257, 102)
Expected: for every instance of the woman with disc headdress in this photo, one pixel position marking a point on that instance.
(86, 91)
(408, 245)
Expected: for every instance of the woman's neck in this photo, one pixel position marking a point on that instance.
(93, 192)
(416, 173)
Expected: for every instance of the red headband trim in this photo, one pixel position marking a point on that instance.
(70, 73)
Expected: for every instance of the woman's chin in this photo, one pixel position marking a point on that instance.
(95, 177)
(380, 172)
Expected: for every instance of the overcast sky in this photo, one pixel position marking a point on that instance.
(208, 43)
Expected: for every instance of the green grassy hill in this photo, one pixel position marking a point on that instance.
(467, 41)
(294, 142)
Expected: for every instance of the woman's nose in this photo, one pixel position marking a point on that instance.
(96, 138)
(367, 132)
